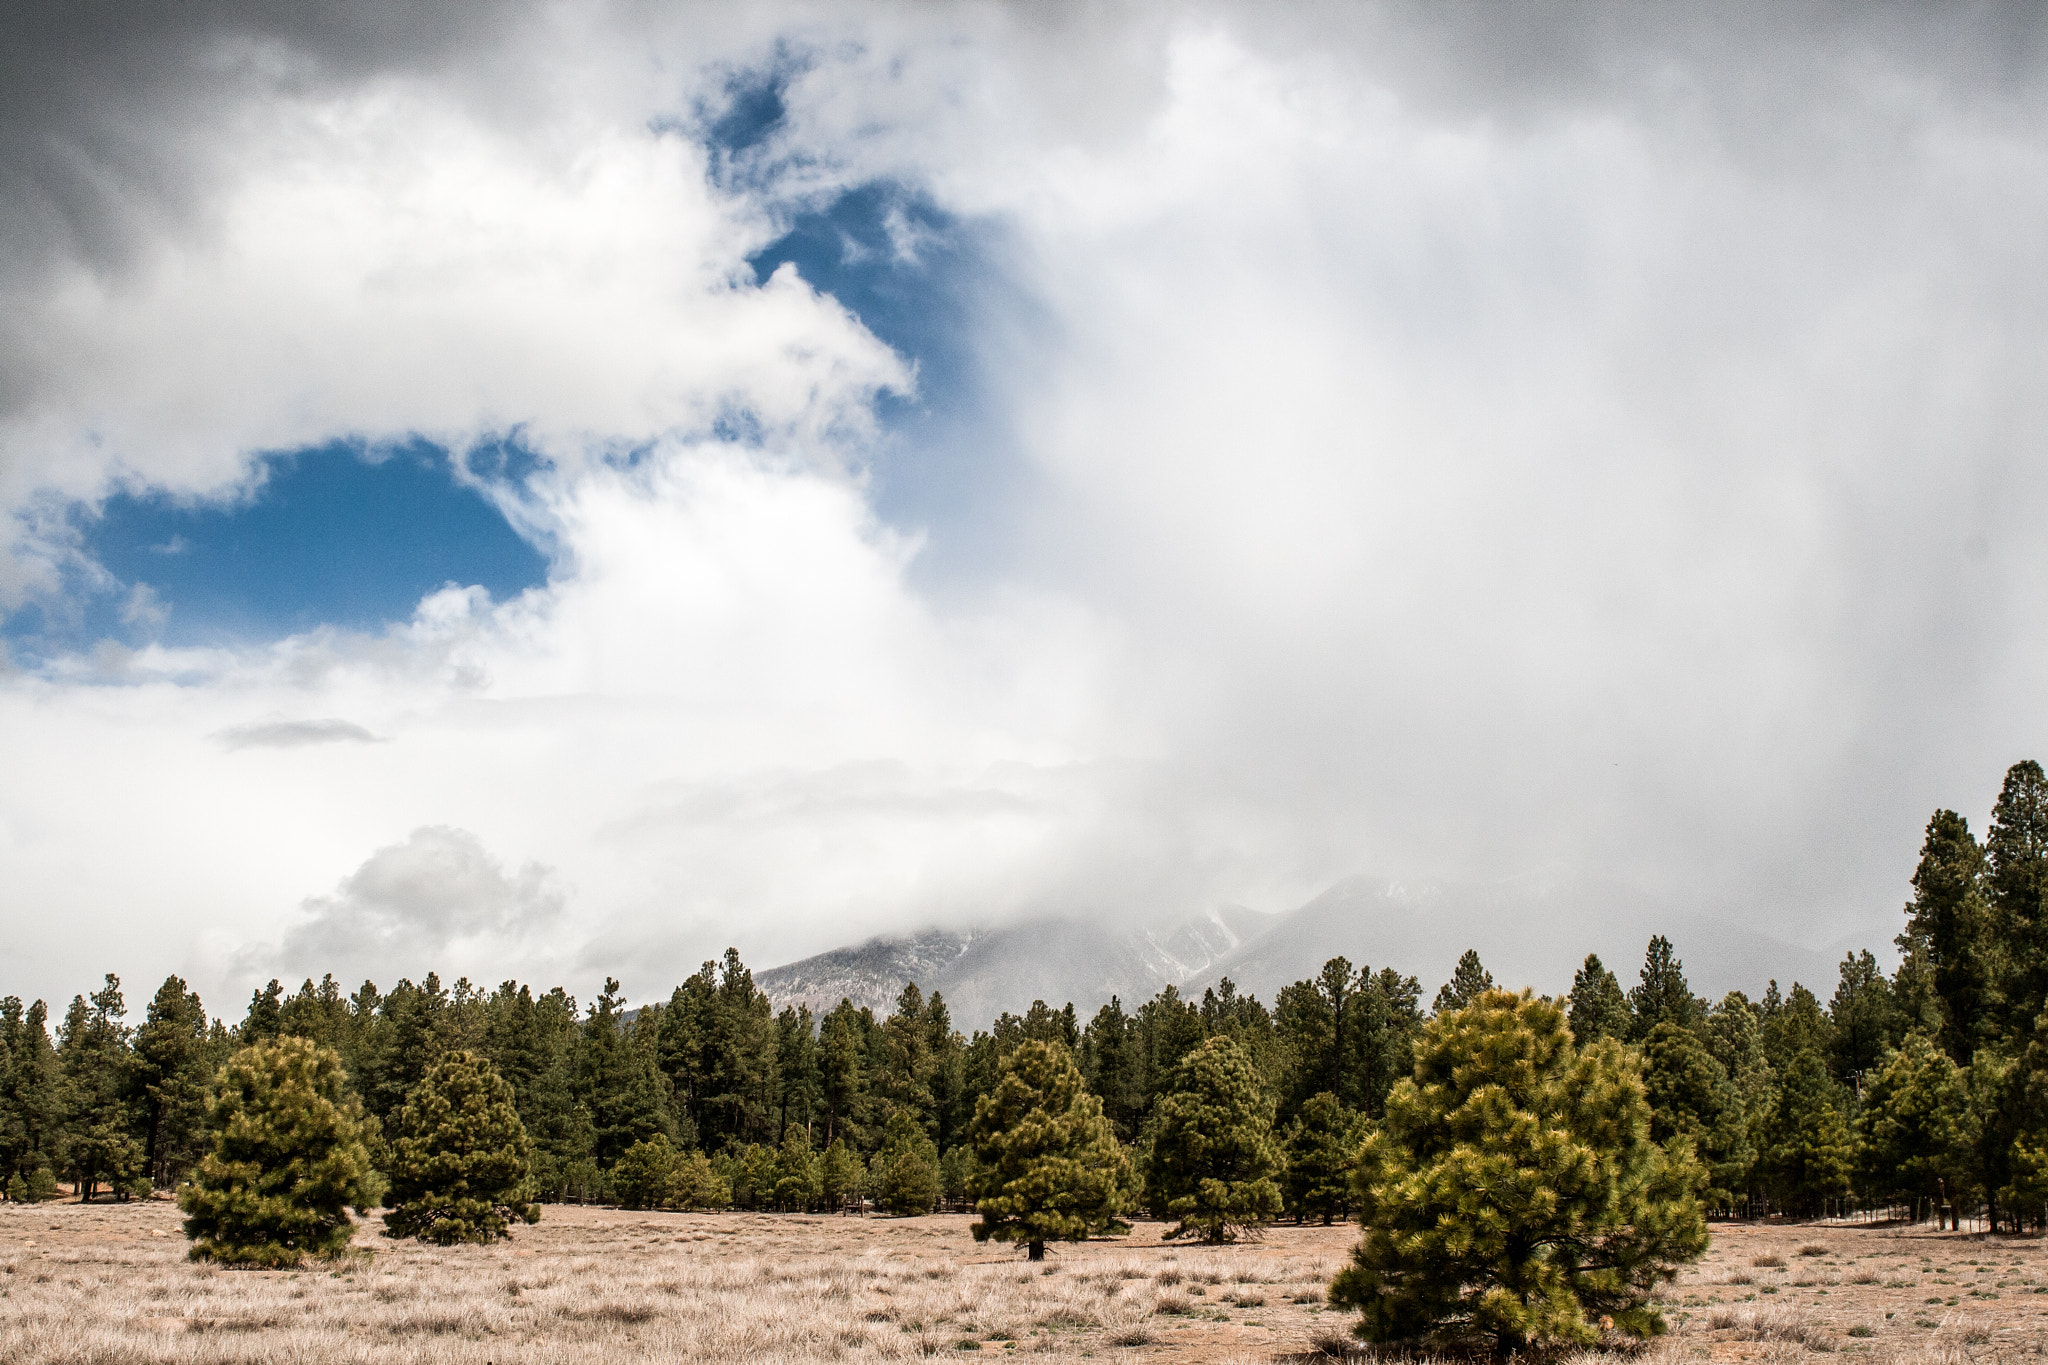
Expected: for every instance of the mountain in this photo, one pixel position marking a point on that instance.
(1528, 931)
(983, 973)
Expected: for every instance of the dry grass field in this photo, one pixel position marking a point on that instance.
(109, 1284)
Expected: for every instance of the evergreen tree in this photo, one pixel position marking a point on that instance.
(288, 1162)
(461, 1159)
(1049, 1161)
(1663, 993)
(1213, 1155)
(172, 1063)
(1513, 1196)
(31, 1097)
(1916, 1123)
(1948, 922)
(1810, 1150)
(265, 1018)
(799, 1177)
(645, 1176)
(1692, 1098)
(1321, 1156)
(840, 1177)
(904, 1174)
(2016, 892)
(1599, 1008)
(842, 1072)
(615, 1082)
(1865, 1019)
(93, 1050)
(796, 1051)
(1469, 980)
(1109, 1061)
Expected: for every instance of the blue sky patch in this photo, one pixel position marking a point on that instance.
(334, 535)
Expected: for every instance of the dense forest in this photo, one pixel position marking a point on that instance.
(1925, 1086)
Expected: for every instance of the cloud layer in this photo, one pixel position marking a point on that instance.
(1454, 443)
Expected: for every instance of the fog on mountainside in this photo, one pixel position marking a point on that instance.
(1416, 927)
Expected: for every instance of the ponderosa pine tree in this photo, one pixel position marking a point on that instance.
(1599, 1006)
(2016, 892)
(799, 1177)
(1512, 1196)
(1916, 1123)
(1321, 1155)
(645, 1175)
(93, 1051)
(31, 1097)
(904, 1174)
(1663, 993)
(1049, 1163)
(1949, 923)
(840, 1176)
(1691, 1097)
(289, 1159)
(1469, 980)
(1810, 1152)
(1213, 1155)
(171, 1069)
(460, 1158)
(1868, 1022)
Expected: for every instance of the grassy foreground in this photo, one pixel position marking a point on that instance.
(110, 1283)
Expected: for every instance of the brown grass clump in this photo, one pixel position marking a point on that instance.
(1770, 1262)
(1813, 1249)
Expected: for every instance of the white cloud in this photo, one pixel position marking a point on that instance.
(1454, 455)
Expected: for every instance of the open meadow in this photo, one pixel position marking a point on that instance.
(109, 1283)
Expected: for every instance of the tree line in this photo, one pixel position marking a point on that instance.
(1928, 1084)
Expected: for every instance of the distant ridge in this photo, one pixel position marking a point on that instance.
(1529, 931)
(982, 973)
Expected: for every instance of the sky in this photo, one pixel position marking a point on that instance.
(555, 490)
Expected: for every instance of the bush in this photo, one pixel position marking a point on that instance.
(289, 1160)
(461, 1162)
(1512, 1197)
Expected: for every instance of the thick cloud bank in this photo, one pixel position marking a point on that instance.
(1430, 441)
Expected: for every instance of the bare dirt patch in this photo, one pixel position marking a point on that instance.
(109, 1283)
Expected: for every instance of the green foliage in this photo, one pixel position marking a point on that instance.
(1917, 1125)
(461, 1160)
(1512, 1197)
(173, 1059)
(42, 1185)
(904, 1175)
(840, 1175)
(1662, 994)
(1213, 1155)
(645, 1177)
(1469, 980)
(1810, 1152)
(289, 1160)
(1949, 924)
(17, 1188)
(799, 1175)
(1049, 1162)
(1599, 1008)
(1321, 1151)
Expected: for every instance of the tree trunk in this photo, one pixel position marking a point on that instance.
(1038, 1251)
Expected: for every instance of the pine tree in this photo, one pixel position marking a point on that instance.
(2016, 891)
(1691, 1097)
(288, 1163)
(1916, 1123)
(1213, 1154)
(1469, 980)
(1321, 1157)
(904, 1174)
(93, 1050)
(1866, 1017)
(461, 1160)
(799, 1179)
(31, 1096)
(171, 1069)
(1513, 1197)
(1599, 1008)
(616, 1082)
(1663, 995)
(645, 1175)
(840, 1176)
(1810, 1151)
(1949, 923)
(1049, 1161)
